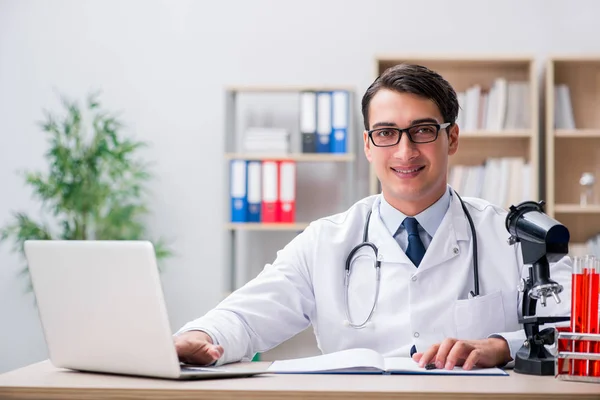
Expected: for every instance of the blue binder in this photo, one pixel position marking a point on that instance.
(254, 190)
(323, 122)
(238, 193)
(340, 121)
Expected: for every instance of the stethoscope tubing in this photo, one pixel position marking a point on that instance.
(365, 242)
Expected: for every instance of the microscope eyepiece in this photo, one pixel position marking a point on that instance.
(527, 222)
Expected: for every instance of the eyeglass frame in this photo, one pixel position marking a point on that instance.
(437, 133)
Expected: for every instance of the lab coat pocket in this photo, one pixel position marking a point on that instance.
(479, 317)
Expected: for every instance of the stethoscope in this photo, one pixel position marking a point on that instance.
(366, 243)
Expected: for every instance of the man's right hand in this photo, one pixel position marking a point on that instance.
(196, 347)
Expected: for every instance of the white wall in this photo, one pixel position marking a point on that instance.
(164, 64)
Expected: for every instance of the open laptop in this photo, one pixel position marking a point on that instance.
(102, 310)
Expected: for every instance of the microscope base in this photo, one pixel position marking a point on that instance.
(527, 364)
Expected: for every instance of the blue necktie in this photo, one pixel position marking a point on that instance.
(415, 250)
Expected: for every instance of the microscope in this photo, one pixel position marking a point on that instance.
(543, 240)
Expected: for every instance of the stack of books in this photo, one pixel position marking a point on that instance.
(266, 140)
(505, 106)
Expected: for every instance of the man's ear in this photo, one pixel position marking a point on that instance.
(367, 145)
(453, 139)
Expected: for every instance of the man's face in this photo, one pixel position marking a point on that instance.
(413, 176)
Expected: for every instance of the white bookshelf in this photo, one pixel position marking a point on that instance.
(244, 237)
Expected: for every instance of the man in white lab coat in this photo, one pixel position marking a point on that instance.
(424, 244)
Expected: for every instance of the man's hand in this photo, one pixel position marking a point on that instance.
(483, 353)
(196, 347)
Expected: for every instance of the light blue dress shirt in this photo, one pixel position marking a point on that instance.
(429, 220)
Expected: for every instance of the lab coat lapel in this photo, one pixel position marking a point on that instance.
(454, 228)
(389, 249)
(444, 244)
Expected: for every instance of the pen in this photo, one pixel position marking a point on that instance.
(413, 350)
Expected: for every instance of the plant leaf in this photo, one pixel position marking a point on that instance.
(95, 184)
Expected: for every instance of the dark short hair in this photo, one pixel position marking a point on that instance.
(419, 80)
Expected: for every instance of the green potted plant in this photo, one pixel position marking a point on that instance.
(95, 184)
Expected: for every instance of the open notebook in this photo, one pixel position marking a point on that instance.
(366, 361)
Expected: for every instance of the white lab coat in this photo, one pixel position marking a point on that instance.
(419, 306)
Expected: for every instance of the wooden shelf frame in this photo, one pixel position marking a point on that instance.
(571, 152)
(464, 71)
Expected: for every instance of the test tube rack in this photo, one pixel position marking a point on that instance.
(562, 368)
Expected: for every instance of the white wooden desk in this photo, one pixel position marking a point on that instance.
(43, 381)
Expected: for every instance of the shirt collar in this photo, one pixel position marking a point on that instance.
(430, 218)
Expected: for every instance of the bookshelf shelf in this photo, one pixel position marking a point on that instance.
(572, 152)
(577, 133)
(299, 226)
(512, 134)
(475, 150)
(582, 225)
(576, 209)
(514, 82)
(299, 157)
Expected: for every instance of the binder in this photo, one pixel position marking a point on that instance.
(308, 121)
(239, 200)
(254, 191)
(287, 191)
(323, 122)
(270, 192)
(340, 121)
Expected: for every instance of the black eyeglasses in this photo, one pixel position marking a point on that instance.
(421, 133)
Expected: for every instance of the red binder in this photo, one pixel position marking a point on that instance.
(270, 192)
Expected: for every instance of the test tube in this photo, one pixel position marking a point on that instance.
(578, 313)
(592, 313)
(590, 319)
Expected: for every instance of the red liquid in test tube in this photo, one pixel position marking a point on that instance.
(592, 313)
(578, 313)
